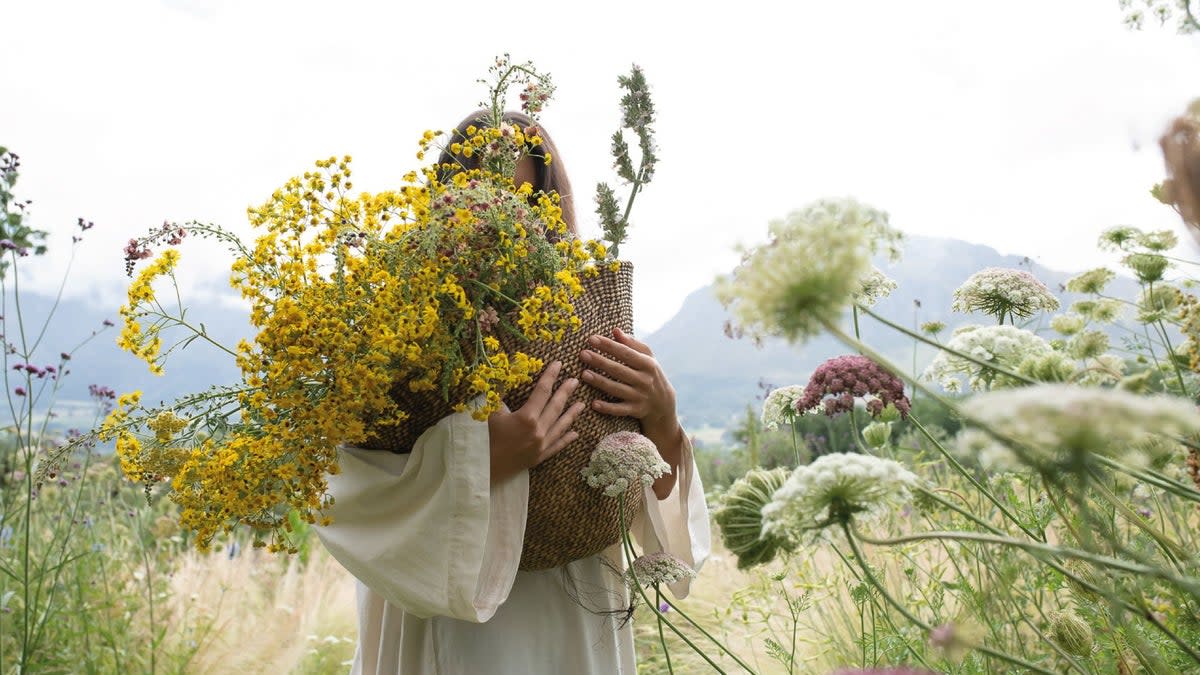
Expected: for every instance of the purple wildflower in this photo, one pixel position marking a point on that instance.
(102, 395)
(19, 391)
(943, 636)
(836, 384)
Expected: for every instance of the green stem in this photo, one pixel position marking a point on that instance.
(962, 470)
(179, 320)
(857, 433)
(941, 347)
(493, 290)
(795, 443)
(1174, 487)
(1037, 547)
(637, 585)
(961, 511)
(1173, 550)
(1166, 338)
(880, 359)
(858, 555)
(795, 625)
(886, 616)
(662, 640)
(706, 634)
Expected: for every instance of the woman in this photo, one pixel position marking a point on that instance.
(434, 536)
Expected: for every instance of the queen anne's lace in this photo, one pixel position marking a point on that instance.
(1056, 425)
(658, 568)
(1003, 292)
(875, 286)
(834, 489)
(780, 406)
(1005, 346)
(623, 459)
(809, 272)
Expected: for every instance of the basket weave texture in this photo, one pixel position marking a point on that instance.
(567, 520)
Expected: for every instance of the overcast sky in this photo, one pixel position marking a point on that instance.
(1028, 125)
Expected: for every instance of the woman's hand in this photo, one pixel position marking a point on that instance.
(537, 430)
(637, 381)
(642, 391)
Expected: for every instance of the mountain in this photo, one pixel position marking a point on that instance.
(715, 377)
(77, 326)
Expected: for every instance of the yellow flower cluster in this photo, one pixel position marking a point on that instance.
(146, 344)
(352, 295)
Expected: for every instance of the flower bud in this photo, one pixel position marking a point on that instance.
(1087, 574)
(876, 434)
(890, 413)
(739, 517)
(1071, 633)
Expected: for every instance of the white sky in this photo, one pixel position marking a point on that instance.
(1028, 125)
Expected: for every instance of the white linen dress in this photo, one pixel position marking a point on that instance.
(435, 549)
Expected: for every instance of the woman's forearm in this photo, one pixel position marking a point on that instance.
(670, 440)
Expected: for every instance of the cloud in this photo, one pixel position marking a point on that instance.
(1029, 128)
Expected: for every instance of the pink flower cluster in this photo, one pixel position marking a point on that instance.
(39, 373)
(139, 249)
(534, 98)
(103, 395)
(836, 384)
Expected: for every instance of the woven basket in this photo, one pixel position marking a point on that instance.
(567, 519)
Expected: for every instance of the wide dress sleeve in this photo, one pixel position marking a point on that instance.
(427, 531)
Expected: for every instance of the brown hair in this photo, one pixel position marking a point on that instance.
(1181, 150)
(550, 178)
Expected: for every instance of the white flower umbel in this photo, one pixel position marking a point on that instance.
(1005, 346)
(658, 568)
(875, 286)
(834, 489)
(1060, 425)
(623, 459)
(1003, 292)
(809, 272)
(780, 406)
(991, 454)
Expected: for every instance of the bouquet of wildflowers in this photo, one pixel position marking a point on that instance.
(353, 296)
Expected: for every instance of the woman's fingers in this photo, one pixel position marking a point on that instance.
(542, 390)
(555, 447)
(618, 409)
(632, 342)
(628, 354)
(554, 407)
(615, 369)
(610, 386)
(562, 425)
